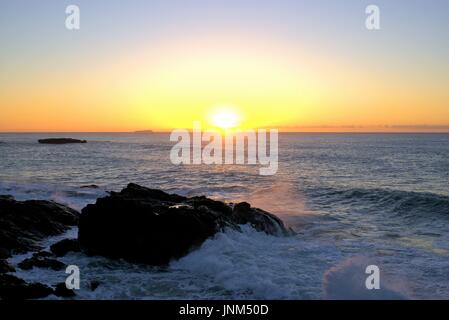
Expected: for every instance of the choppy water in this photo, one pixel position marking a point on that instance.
(354, 199)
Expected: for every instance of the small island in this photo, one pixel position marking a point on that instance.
(60, 141)
(144, 131)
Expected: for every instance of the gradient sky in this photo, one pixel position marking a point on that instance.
(295, 65)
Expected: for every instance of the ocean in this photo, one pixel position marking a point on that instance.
(353, 200)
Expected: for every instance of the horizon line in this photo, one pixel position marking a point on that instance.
(169, 131)
(385, 128)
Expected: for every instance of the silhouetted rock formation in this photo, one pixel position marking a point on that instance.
(144, 131)
(61, 248)
(5, 267)
(6, 197)
(40, 262)
(43, 254)
(62, 291)
(94, 284)
(13, 288)
(22, 223)
(150, 226)
(90, 186)
(60, 141)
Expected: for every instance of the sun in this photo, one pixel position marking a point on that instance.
(225, 119)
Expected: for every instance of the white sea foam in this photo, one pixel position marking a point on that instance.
(238, 265)
(346, 281)
(234, 265)
(74, 197)
(246, 264)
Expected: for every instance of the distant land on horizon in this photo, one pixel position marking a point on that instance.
(280, 132)
(282, 129)
(143, 131)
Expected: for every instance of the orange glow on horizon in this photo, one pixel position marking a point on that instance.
(171, 84)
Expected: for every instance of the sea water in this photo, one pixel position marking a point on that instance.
(353, 199)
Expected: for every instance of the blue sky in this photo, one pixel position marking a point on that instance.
(412, 27)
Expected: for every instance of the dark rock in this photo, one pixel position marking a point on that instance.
(144, 131)
(42, 254)
(67, 245)
(259, 219)
(23, 223)
(90, 186)
(212, 206)
(4, 253)
(62, 291)
(61, 141)
(13, 288)
(5, 267)
(153, 227)
(94, 285)
(40, 262)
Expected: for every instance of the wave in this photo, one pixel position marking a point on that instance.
(401, 203)
(250, 265)
(346, 281)
(231, 265)
(76, 198)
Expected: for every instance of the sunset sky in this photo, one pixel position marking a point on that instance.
(293, 65)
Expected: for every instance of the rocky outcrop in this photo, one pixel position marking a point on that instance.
(13, 288)
(42, 254)
(94, 284)
(40, 262)
(5, 267)
(23, 223)
(61, 248)
(60, 141)
(153, 227)
(62, 291)
(4, 253)
(90, 186)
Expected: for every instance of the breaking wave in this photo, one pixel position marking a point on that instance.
(402, 203)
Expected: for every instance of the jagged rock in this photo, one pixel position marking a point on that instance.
(93, 285)
(23, 223)
(90, 186)
(5, 267)
(40, 262)
(67, 245)
(153, 227)
(259, 219)
(13, 288)
(62, 291)
(60, 141)
(42, 254)
(4, 253)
